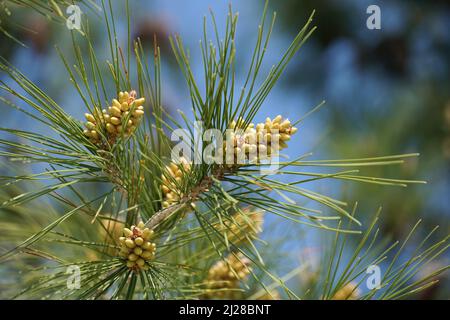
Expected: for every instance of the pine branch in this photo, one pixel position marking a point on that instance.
(198, 210)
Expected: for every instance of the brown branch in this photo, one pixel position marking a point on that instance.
(162, 215)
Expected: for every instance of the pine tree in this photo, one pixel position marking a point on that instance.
(139, 224)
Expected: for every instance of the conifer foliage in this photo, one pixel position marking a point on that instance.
(139, 224)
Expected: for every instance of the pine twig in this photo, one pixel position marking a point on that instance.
(203, 186)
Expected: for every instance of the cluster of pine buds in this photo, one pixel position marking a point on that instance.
(172, 179)
(136, 248)
(224, 277)
(121, 118)
(244, 226)
(349, 292)
(256, 142)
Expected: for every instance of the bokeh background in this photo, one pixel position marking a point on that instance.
(386, 91)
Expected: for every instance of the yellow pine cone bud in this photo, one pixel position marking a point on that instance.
(172, 177)
(244, 226)
(121, 118)
(135, 247)
(239, 124)
(244, 144)
(255, 142)
(227, 274)
(349, 292)
(283, 129)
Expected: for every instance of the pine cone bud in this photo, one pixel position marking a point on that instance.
(283, 128)
(244, 226)
(256, 142)
(349, 292)
(117, 120)
(227, 274)
(171, 180)
(136, 248)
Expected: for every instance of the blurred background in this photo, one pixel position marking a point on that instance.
(386, 91)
